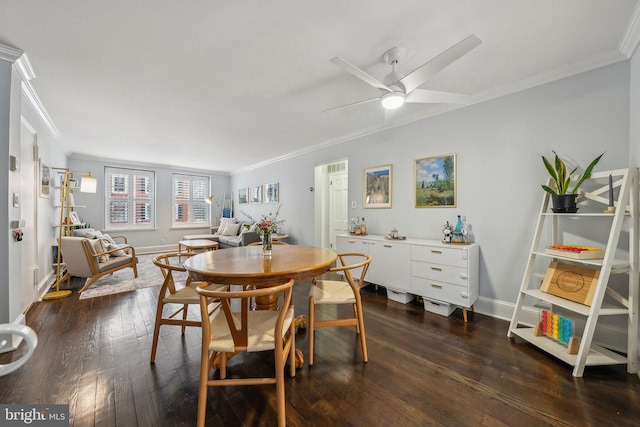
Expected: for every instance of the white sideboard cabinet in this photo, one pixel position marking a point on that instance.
(445, 275)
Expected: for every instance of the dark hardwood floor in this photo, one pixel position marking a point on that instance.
(424, 369)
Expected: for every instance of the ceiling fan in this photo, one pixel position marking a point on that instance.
(396, 89)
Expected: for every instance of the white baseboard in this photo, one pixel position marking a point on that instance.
(11, 342)
(146, 250)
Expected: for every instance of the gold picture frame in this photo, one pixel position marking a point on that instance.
(435, 182)
(378, 186)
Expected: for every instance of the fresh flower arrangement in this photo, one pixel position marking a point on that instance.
(267, 224)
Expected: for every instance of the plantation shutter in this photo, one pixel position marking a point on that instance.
(129, 198)
(189, 205)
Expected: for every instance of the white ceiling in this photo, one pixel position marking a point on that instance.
(227, 85)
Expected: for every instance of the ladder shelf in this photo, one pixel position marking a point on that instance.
(626, 203)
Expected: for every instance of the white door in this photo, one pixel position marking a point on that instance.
(27, 200)
(338, 205)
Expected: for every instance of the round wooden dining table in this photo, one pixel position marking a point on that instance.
(247, 266)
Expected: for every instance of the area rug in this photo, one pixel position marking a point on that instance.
(123, 281)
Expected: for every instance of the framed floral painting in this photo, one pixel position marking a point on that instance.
(435, 182)
(377, 187)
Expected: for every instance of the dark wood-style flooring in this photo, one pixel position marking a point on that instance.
(424, 369)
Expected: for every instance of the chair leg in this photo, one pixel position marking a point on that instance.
(292, 350)
(363, 338)
(223, 365)
(355, 315)
(156, 332)
(185, 311)
(202, 391)
(280, 399)
(311, 327)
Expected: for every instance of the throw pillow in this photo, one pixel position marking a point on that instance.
(110, 246)
(93, 234)
(96, 248)
(231, 229)
(220, 230)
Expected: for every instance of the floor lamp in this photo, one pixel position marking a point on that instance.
(88, 184)
(210, 201)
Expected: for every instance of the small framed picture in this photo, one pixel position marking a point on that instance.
(45, 179)
(243, 196)
(256, 194)
(271, 193)
(377, 187)
(435, 182)
(75, 219)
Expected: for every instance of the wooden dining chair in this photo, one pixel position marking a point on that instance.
(347, 291)
(246, 330)
(175, 292)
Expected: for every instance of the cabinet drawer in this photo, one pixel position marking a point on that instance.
(442, 273)
(438, 255)
(440, 291)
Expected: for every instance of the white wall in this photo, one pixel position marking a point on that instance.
(5, 108)
(634, 110)
(499, 170)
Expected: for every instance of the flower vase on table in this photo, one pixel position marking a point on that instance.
(266, 226)
(267, 244)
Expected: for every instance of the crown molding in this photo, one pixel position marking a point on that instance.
(119, 162)
(9, 53)
(32, 98)
(631, 38)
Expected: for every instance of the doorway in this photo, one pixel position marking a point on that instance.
(28, 202)
(331, 202)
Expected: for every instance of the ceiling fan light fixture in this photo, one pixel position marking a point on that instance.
(392, 100)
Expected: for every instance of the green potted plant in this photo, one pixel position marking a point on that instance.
(563, 196)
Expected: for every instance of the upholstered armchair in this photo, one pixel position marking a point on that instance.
(90, 258)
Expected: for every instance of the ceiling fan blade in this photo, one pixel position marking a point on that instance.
(420, 75)
(435, 97)
(349, 105)
(365, 77)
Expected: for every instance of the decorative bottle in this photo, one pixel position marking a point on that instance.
(459, 225)
(363, 227)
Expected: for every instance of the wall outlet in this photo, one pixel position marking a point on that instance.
(353, 204)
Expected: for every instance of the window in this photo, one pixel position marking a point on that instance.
(129, 198)
(189, 205)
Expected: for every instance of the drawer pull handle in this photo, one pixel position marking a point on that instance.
(351, 241)
(436, 268)
(388, 246)
(436, 251)
(435, 285)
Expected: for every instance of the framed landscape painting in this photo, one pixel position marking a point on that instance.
(243, 196)
(271, 193)
(256, 194)
(377, 187)
(435, 182)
